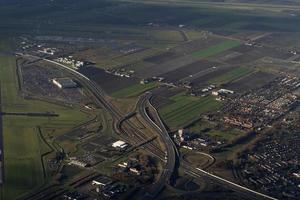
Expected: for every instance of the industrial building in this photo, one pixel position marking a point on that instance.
(78, 163)
(119, 144)
(64, 83)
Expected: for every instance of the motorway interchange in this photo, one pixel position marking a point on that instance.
(129, 132)
(177, 99)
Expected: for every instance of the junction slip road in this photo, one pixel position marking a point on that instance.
(171, 150)
(172, 154)
(195, 172)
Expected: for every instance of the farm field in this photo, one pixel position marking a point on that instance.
(22, 144)
(126, 59)
(227, 134)
(94, 15)
(194, 47)
(110, 83)
(203, 79)
(183, 109)
(189, 70)
(162, 57)
(207, 40)
(159, 69)
(252, 81)
(281, 39)
(231, 75)
(216, 49)
(22, 164)
(133, 90)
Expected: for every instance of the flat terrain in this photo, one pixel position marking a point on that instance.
(227, 134)
(133, 90)
(190, 45)
(184, 109)
(185, 71)
(110, 83)
(216, 49)
(251, 81)
(230, 76)
(23, 146)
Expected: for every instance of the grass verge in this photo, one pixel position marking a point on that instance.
(23, 170)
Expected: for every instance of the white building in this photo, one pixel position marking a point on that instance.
(123, 165)
(135, 171)
(64, 83)
(215, 93)
(78, 163)
(119, 144)
(182, 133)
(102, 181)
(222, 91)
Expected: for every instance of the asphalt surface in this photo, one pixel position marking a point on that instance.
(121, 125)
(171, 152)
(196, 172)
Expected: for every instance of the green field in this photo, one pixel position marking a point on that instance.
(22, 144)
(226, 133)
(183, 109)
(22, 153)
(216, 49)
(231, 75)
(133, 90)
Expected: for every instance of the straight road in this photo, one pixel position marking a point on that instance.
(246, 192)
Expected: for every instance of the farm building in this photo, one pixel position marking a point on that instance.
(64, 83)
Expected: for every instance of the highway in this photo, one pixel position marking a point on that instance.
(222, 180)
(122, 125)
(244, 191)
(195, 172)
(171, 149)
